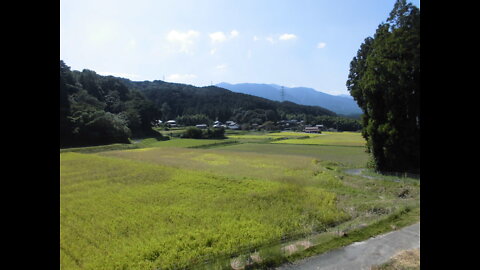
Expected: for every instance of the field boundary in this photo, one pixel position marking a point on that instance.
(213, 145)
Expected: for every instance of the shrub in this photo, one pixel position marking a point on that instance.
(192, 132)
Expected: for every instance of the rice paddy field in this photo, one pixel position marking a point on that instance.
(204, 204)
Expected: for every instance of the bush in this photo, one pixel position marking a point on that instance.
(218, 133)
(193, 133)
(196, 133)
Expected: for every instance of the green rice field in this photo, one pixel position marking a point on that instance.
(185, 203)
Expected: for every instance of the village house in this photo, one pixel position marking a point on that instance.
(172, 123)
(312, 130)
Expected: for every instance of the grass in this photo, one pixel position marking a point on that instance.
(100, 148)
(352, 156)
(184, 143)
(272, 135)
(405, 260)
(330, 138)
(180, 203)
(123, 213)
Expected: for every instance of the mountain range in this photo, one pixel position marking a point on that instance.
(341, 104)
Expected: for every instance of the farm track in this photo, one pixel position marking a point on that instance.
(362, 255)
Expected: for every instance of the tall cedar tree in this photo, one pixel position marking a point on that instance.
(384, 79)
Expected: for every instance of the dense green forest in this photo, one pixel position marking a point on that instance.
(97, 109)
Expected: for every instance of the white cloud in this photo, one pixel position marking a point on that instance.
(222, 67)
(270, 39)
(181, 78)
(287, 37)
(218, 37)
(213, 51)
(131, 45)
(255, 38)
(222, 37)
(184, 40)
(321, 45)
(234, 34)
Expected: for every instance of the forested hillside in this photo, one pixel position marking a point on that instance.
(97, 109)
(217, 103)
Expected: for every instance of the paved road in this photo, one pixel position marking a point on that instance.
(362, 255)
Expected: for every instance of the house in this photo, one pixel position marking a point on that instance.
(234, 126)
(201, 126)
(157, 122)
(312, 130)
(217, 124)
(171, 123)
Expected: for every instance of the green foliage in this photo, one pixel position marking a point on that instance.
(193, 133)
(196, 133)
(384, 79)
(192, 120)
(98, 109)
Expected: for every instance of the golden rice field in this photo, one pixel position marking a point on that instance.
(174, 207)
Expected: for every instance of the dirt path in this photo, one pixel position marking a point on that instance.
(362, 255)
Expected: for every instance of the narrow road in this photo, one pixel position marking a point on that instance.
(362, 255)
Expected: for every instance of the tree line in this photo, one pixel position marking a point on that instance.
(97, 110)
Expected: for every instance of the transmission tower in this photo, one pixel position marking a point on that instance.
(283, 94)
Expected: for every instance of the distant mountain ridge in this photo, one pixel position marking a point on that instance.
(341, 104)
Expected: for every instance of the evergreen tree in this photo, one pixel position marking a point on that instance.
(384, 79)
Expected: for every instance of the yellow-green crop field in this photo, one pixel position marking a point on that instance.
(176, 207)
(330, 138)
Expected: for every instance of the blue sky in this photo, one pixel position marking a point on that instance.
(287, 42)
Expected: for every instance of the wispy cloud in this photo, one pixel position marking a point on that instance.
(270, 39)
(217, 37)
(287, 37)
(234, 34)
(222, 67)
(321, 45)
(183, 41)
(181, 78)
